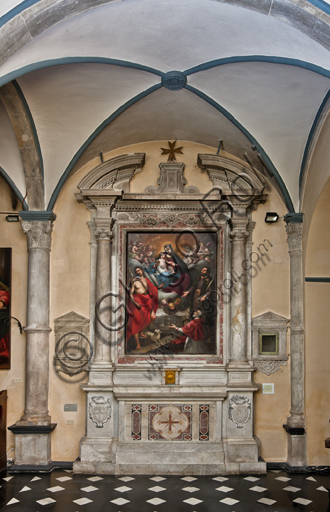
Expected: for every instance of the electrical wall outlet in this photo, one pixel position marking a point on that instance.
(70, 422)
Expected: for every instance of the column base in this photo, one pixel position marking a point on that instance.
(32, 447)
(239, 373)
(297, 447)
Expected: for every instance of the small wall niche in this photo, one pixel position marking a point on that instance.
(269, 335)
(268, 344)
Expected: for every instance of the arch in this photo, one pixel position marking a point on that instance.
(312, 138)
(21, 118)
(284, 191)
(92, 137)
(12, 185)
(269, 163)
(286, 11)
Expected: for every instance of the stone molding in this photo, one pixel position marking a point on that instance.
(38, 234)
(269, 323)
(99, 410)
(171, 180)
(174, 80)
(171, 219)
(115, 173)
(268, 367)
(239, 235)
(228, 173)
(239, 410)
(103, 229)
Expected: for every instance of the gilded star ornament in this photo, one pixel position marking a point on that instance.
(171, 151)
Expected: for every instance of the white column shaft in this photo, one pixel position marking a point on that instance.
(103, 233)
(238, 291)
(37, 330)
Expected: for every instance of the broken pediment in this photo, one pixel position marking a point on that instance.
(114, 174)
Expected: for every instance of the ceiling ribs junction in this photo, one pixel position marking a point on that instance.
(260, 85)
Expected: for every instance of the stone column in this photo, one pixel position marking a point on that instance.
(92, 292)
(32, 431)
(239, 233)
(248, 280)
(103, 234)
(295, 427)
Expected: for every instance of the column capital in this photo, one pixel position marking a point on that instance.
(239, 235)
(39, 233)
(294, 236)
(103, 228)
(103, 201)
(294, 218)
(239, 230)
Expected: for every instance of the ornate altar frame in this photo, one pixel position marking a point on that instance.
(212, 395)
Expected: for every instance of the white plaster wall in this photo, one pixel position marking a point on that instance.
(271, 292)
(7, 5)
(151, 33)
(10, 155)
(69, 285)
(318, 174)
(277, 104)
(66, 114)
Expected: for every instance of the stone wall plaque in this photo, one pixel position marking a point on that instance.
(99, 410)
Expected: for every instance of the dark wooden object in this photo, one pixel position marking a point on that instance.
(3, 429)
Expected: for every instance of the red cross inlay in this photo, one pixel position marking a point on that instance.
(170, 422)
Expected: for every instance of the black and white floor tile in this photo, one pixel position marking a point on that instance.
(61, 491)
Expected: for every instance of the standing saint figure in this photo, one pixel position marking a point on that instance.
(143, 303)
(200, 290)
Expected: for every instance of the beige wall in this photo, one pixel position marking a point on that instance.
(13, 380)
(270, 292)
(317, 309)
(69, 285)
(318, 173)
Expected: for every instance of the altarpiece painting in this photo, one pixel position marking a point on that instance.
(5, 286)
(172, 305)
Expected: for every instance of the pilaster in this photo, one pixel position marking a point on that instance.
(297, 448)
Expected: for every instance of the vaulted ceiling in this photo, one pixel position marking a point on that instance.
(89, 76)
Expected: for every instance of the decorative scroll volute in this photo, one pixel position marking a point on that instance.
(39, 233)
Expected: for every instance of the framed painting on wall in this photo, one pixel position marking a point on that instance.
(172, 281)
(5, 299)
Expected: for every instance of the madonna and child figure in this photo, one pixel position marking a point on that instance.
(170, 292)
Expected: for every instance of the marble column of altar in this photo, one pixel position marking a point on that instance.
(238, 300)
(32, 431)
(295, 427)
(241, 446)
(96, 450)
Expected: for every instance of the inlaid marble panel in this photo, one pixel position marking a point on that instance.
(169, 422)
(136, 422)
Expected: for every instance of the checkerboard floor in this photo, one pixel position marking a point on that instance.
(62, 491)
